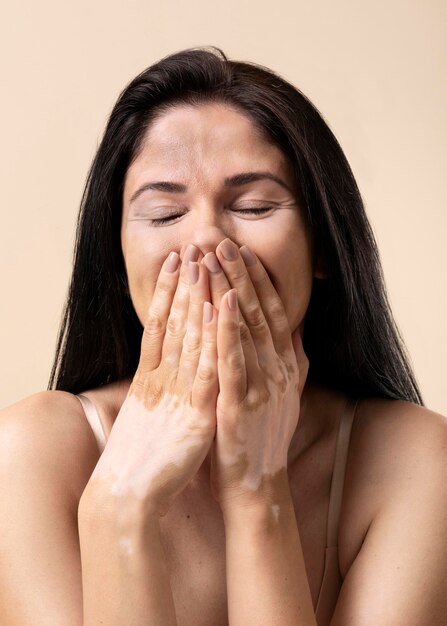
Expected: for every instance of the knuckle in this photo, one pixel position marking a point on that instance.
(155, 325)
(232, 326)
(164, 286)
(277, 312)
(153, 394)
(192, 342)
(244, 332)
(174, 325)
(255, 317)
(255, 397)
(236, 361)
(208, 342)
(206, 373)
(281, 379)
(239, 275)
(170, 359)
(138, 380)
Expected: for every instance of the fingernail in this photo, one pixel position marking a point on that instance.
(172, 262)
(193, 270)
(211, 262)
(191, 254)
(229, 250)
(247, 255)
(232, 299)
(207, 312)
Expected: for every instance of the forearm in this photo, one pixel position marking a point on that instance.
(125, 579)
(266, 577)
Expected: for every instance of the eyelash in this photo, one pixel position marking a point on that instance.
(254, 211)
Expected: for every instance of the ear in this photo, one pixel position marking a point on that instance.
(320, 267)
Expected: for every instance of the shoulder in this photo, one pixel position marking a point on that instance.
(47, 454)
(392, 434)
(394, 446)
(48, 433)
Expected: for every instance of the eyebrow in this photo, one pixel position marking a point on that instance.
(231, 181)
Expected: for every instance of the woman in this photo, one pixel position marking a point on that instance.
(256, 449)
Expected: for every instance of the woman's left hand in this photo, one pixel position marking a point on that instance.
(262, 369)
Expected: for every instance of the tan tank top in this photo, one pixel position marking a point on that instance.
(94, 420)
(332, 581)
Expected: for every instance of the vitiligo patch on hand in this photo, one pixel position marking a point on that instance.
(162, 444)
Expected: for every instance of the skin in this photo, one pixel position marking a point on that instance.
(392, 534)
(200, 147)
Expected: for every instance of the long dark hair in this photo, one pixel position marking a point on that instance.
(350, 335)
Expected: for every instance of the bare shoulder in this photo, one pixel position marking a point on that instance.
(393, 445)
(391, 434)
(395, 487)
(47, 454)
(49, 432)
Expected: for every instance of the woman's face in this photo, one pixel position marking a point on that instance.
(199, 148)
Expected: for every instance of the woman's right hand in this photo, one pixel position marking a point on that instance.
(167, 422)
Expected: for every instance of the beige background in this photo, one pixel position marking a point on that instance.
(376, 71)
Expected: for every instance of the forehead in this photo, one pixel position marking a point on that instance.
(204, 143)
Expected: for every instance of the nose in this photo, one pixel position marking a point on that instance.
(206, 232)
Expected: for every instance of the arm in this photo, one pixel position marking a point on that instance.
(47, 454)
(124, 575)
(266, 576)
(40, 579)
(399, 575)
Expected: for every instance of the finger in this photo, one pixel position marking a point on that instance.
(155, 323)
(219, 286)
(206, 382)
(178, 314)
(270, 301)
(192, 341)
(231, 362)
(249, 304)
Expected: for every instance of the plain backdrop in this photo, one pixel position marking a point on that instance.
(375, 70)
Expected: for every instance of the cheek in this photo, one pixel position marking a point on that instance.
(143, 264)
(291, 273)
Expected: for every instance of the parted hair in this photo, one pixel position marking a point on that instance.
(350, 336)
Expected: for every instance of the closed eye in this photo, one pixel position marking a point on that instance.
(253, 211)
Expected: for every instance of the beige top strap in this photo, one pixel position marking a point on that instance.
(94, 420)
(338, 474)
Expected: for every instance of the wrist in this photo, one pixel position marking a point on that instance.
(260, 509)
(257, 520)
(97, 506)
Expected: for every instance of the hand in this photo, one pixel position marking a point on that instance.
(167, 422)
(262, 370)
